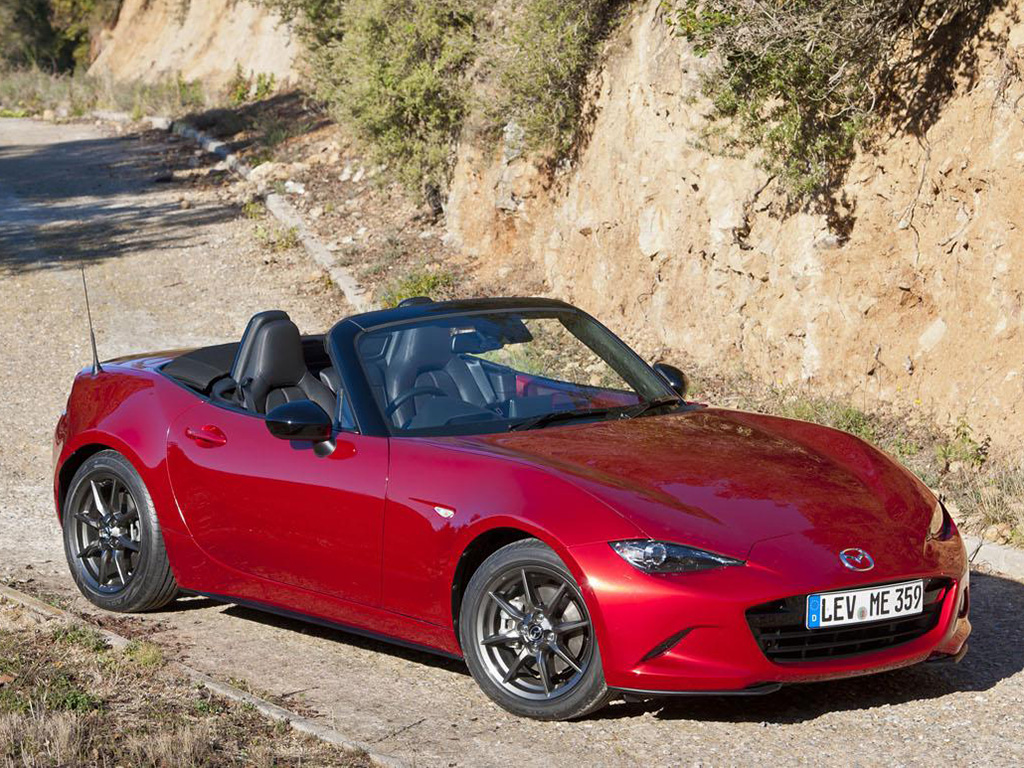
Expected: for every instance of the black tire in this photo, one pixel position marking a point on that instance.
(543, 690)
(128, 571)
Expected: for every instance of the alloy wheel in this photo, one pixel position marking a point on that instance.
(534, 632)
(107, 532)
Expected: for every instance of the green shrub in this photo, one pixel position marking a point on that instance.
(397, 78)
(396, 71)
(85, 637)
(962, 447)
(830, 412)
(266, 84)
(238, 87)
(277, 239)
(542, 71)
(51, 34)
(144, 653)
(243, 88)
(318, 22)
(804, 79)
(418, 282)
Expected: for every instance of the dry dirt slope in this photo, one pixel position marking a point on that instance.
(203, 40)
(162, 275)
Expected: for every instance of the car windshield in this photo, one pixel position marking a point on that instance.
(501, 370)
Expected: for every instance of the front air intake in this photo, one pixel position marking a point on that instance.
(780, 630)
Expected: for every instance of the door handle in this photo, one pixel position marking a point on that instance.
(207, 436)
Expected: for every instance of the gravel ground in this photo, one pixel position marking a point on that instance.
(162, 275)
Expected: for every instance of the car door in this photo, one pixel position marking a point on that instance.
(274, 509)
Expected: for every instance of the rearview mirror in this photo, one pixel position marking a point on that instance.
(301, 420)
(675, 378)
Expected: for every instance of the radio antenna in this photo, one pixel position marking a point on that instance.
(92, 335)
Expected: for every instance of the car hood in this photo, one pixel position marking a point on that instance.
(724, 480)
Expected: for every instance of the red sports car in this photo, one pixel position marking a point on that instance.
(505, 481)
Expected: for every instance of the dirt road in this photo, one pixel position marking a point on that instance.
(162, 275)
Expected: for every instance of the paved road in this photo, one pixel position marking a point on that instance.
(162, 276)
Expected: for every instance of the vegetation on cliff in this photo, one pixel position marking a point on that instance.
(406, 75)
(805, 80)
(53, 35)
(396, 76)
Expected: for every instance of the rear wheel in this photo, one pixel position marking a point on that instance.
(112, 539)
(527, 635)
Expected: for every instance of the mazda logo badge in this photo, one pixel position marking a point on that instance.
(856, 559)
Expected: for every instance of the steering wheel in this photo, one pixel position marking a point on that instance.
(403, 398)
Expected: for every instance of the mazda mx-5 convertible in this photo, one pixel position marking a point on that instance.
(507, 482)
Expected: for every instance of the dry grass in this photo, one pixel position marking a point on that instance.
(32, 91)
(277, 239)
(66, 698)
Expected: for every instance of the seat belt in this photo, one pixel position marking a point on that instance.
(476, 370)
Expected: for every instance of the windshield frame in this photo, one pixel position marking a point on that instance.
(344, 337)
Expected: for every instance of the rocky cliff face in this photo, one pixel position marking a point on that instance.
(200, 39)
(915, 297)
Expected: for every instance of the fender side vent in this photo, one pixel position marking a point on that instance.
(666, 645)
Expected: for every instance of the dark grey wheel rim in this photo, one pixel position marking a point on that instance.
(534, 633)
(106, 534)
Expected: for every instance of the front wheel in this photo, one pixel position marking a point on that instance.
(527, 635)
(112, 537)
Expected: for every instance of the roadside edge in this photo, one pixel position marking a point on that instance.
(1005, 560)
(266, 708)
(277, 205)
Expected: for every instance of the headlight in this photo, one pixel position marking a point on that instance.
(664, 557)
(941, 524)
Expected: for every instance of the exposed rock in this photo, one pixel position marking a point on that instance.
(512, 142)
(268, 172)
(657, 236)
(198, 41)
(932, 335)
(652, 237)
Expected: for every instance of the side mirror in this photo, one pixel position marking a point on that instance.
(301, 420)
(675, 378)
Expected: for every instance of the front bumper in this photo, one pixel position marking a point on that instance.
(689, 634)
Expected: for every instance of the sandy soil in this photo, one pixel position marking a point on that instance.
(162, 275)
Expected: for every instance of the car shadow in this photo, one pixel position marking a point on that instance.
(348, 638)
(996, 653)
(190, 603)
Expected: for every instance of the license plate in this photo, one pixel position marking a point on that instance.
(856, 606)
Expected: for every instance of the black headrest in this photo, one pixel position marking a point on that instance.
(277, 359)
(427, 348)
(244, 352)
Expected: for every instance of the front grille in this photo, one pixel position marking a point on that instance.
(779, 628)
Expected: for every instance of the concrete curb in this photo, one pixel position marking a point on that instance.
(1006, 560)
(277, 205)
(266, 708)
(212, 146)
(285, 213)
(299, 723)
